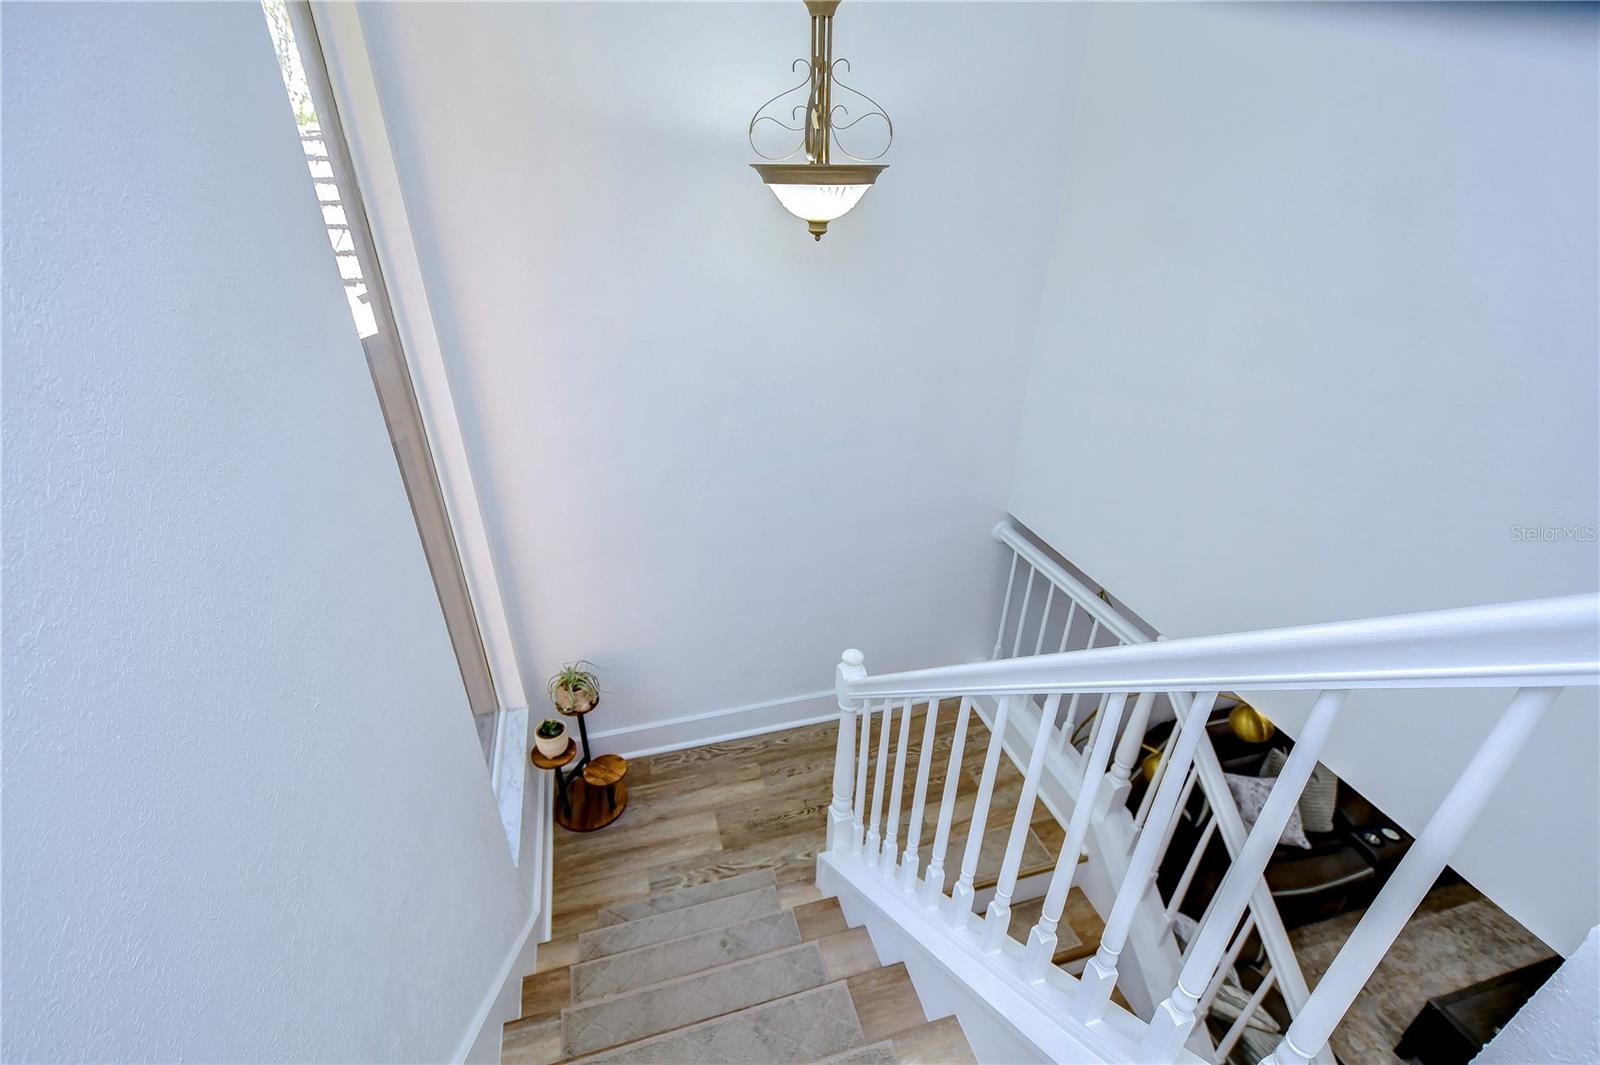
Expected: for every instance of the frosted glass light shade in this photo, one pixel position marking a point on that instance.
(818, 203)
(818, 193)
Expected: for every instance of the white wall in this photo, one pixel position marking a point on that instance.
(1319, 331)
(713, 453)
(1559, 1024)
(246, 817)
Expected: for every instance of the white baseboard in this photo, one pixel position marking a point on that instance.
(503, 1003)
(716, 726)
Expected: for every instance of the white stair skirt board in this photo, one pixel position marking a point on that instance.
(718, 726)
(1004, 1018)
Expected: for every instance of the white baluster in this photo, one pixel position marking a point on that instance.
(1175, 1017)
(857, 825)
(839, 814)
(1182, 887)
(997, 920)
(1180, 704)
(1129, 746)
(1412, 878)
(1190, 783)
(1228, 959)
(933, 880)
(908, 864)
(1042, 939)
(1022, 618)
(891, 830)
(1044, 618)
(1066, 629)
(1100, 975)
(1005, 608)
(1236, 1029)
(961, 894)
(1072, 707)
(874, 849)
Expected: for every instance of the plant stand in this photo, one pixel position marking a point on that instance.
(540, 761)
(593, 792)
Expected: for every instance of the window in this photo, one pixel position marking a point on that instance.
(305, 77)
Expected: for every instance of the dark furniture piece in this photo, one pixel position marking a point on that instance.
(1342, 870)
(1453, 1028)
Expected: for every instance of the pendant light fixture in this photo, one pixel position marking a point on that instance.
(819, 190)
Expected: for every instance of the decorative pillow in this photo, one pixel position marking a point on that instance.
(1250, 795)
(1318, 800)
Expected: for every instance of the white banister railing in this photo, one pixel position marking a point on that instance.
(1218, 813)
(1535, 647)
(1544, 642)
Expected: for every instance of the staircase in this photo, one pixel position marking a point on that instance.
(979, 887)
(1015, 999)
(722, 972)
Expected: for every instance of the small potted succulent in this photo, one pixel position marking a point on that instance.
(575, 689)
(551, 738)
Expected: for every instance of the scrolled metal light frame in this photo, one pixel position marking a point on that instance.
(820, 119)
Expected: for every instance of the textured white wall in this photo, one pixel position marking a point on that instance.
(246, 817)
(1321, 323)
(714, 453)
(1560, 1024)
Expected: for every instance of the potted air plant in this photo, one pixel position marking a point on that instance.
(575, 689)
(551, 738)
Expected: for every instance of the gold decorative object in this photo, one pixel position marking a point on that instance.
(1150, 763)
(819, 190)
(1250, 724)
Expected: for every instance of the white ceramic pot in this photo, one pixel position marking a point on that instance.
(553, 745)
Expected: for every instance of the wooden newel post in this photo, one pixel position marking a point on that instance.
(841, 813)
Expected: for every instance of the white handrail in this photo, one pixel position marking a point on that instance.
(1537, 643)
(1089, 601)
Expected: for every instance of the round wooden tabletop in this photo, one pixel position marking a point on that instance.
(605, 770)
(543, 762)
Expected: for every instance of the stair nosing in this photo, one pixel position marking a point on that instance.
(843, 1054)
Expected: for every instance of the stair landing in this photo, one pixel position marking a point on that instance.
(692, 929)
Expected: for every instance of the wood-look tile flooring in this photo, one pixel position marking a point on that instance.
(716, 811)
